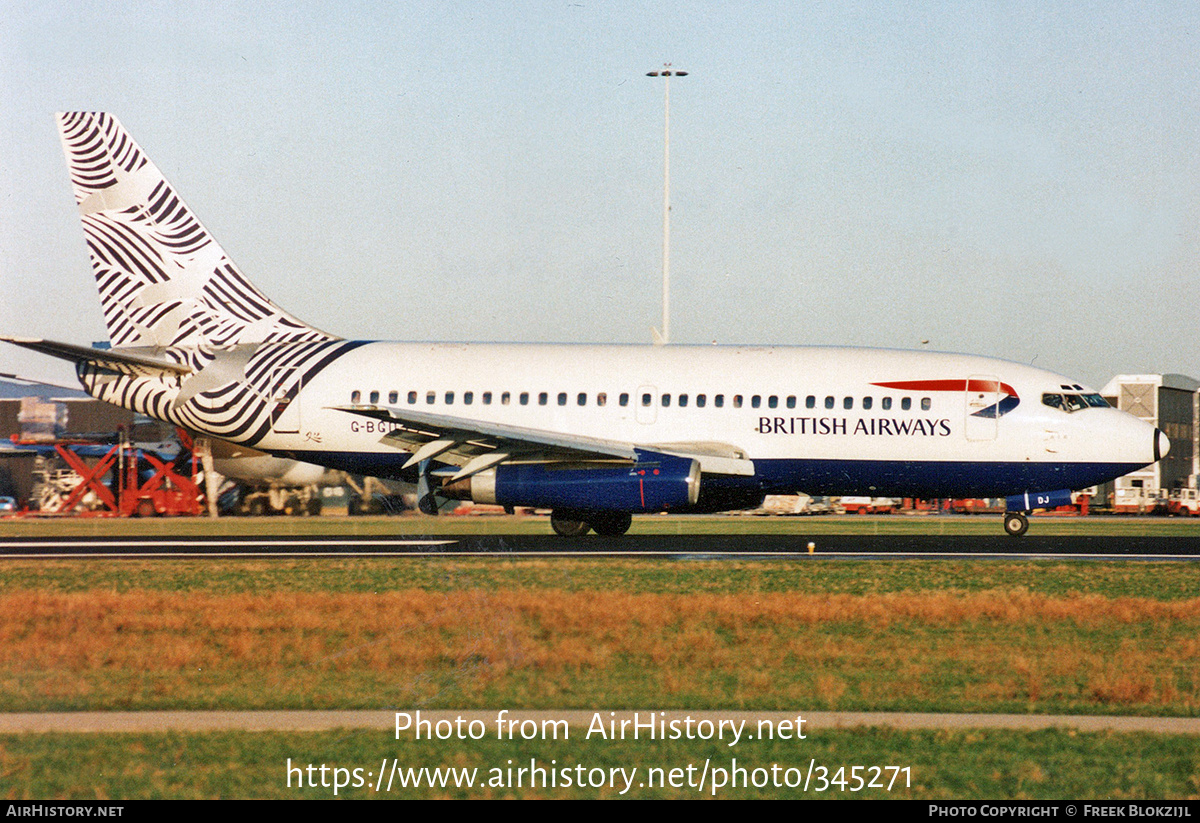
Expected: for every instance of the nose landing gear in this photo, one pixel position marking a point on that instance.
(1015, 523)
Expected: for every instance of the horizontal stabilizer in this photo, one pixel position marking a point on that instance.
(105, 358)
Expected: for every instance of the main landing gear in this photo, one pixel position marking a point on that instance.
(1016, 523)
(576, 524)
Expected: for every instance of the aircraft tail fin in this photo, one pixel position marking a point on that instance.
(163, 279)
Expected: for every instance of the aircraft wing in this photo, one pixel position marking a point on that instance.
(121, 360)
(476, 445)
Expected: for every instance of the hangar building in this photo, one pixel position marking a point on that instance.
(1171, 402)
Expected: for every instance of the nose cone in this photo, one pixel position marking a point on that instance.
(1162, 445)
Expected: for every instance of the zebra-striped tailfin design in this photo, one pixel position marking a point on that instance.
(163, 279)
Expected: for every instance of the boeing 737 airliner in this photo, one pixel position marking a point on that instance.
(594, 433)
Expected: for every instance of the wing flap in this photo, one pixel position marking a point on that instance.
(714, 457)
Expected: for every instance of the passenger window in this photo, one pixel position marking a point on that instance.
(505, 398)
(772, 402)
(829, 402)
(847, 402)
(666, 400)
(867, 403)
(683, 398)
(355, 396)
(524, 398)
(906, 403)
(624, 399)
(562, 398)
(393, 396)
(430, 398)
(791, 401)
(810, 402)
(543, 398)
(601, 398)
(581, 400)
(737, 401)
(468, 397)
(374, 397)
(487, 398)
(412, 397)
(700, 401)
(886, 403)
(647, 399)
(926, 404)
(719, 401)
(449, 398)
(755, 401)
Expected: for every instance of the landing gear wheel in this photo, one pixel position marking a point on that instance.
(611, 525)
(428, 504)
(562, 524)
(1015, 523)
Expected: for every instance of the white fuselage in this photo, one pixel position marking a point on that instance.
(794, 406)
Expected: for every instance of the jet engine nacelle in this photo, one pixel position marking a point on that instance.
(657, 482)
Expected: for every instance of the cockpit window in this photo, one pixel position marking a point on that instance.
(1073, 402)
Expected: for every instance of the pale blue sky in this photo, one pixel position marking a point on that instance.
(1011, 179)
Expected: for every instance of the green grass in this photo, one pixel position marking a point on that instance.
(1035, 636)
(1161, 580)
(1043, 765)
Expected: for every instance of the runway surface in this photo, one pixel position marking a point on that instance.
(691, 546)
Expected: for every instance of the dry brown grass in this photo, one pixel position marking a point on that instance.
(947, 650)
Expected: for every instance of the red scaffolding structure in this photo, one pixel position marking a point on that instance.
(165, 492)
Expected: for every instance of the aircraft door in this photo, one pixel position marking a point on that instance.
(285, 400)
(982, 407)
(647, 404)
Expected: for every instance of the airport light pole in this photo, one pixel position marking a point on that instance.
(666, 73)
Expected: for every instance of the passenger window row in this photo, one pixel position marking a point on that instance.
(700, 401)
